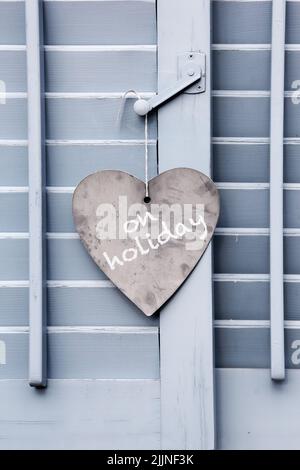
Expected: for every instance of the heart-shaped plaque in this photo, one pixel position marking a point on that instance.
(147, 248)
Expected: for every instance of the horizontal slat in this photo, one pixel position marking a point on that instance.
(13, 166)
(83, 306)
(13, 70)
(12, 23)
(68, 165)
(293, 23)
(246, 163)
(250, 347)
(110, 71)
(94, 119)
(113, 414)
(240, 208)
(250, 22)
(87, 355)
(250, 70)
(100, 71)
(13, 119)
(241, 300)
(241, 117)
(104, 22)
(250, 300)
(114, 71)
(76, 119)
(237, 70)
(246, 208)
(67, 259)
(249, 117)
(241, 254)
(244, 22)
(250, 163)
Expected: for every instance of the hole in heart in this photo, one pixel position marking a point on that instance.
(147, 199)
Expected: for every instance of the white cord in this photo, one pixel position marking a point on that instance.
(146, 156)
(120, 114)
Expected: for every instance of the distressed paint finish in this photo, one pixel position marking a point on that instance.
(187, 388)
(152, 277)
(80, 414)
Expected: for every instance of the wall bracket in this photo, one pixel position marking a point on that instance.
(191, 80)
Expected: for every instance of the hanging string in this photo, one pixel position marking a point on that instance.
(147, 199)
(120, 114)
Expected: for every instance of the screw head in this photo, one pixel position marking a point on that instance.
(190, 72)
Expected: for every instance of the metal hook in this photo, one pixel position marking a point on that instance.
(121, 109)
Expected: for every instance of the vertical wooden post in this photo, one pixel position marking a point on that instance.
(186, 323)
(276, 191)
(36, 156)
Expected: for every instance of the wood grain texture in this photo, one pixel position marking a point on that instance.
(89, 354)
(257, 425)
(113, 414)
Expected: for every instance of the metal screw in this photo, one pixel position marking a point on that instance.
(191, 72)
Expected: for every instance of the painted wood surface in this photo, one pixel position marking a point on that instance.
(114, 56)
(237, 22)
(74, 304)
(234, 253)
(270, 418)
(250, 300)
(276, 190)
(241, 208)
(245, 346)
(103, 22)
(80, 414)
(240, 163)
(87, 353)
(116, 70)
(241, 117)
(185, 133)
(36, 194)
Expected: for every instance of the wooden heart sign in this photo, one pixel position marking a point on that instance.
(147, 249)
